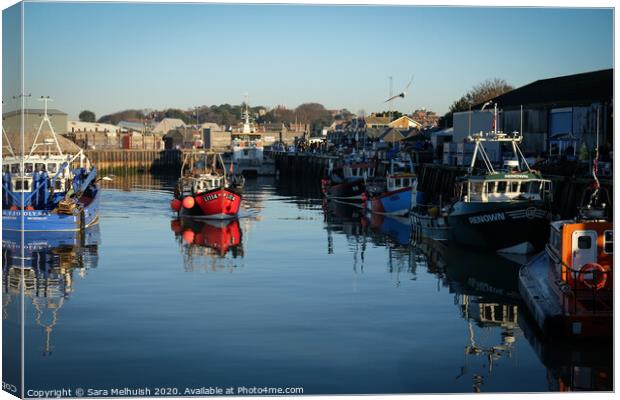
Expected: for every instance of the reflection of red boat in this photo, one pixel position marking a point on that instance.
(204, 188)
(220, 236)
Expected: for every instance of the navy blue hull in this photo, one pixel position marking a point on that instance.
(496, 226)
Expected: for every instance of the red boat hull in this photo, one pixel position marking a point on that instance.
(219, 203)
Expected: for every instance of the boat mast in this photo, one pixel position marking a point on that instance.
(46, 118)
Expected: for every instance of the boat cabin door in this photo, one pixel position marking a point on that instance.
(584, 248)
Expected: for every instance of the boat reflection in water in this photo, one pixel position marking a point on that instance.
(209, 244)
(586, 365)
(485, 287)
(486, 294)
(46, 273)
(392, 233)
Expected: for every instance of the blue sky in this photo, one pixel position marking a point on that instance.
(109, 57)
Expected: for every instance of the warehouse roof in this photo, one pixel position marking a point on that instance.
(564, 90)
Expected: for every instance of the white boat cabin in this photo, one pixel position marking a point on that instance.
(22, 180)
(400, 181)
(358, 171)
(503, 188)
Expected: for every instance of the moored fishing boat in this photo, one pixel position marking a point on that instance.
(204, 188)
(48, 184)
(395, 199)
(347, 182)
(501, 210)
(568, 288)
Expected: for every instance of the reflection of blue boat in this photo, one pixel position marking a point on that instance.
(47, 185)
(398, 228)
(43, 277)
(39, 241)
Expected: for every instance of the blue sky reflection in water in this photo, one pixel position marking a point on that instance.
(323, 301)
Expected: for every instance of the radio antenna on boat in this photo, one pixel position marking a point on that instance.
(46, 118)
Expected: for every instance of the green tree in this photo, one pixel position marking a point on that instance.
(180, 114)
(477, 95)
(87, 116)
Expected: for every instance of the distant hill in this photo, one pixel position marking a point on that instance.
(126, 115)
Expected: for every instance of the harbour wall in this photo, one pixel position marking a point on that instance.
(119, 161)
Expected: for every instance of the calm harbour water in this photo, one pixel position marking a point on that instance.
(294, 294)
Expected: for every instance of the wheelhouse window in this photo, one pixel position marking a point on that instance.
(514, 187)
(584, 242)
(22, 185)
(15, 168)
(39, 167)
(52, 168)
(28, 168)
(501, 186)
(5, 168)
(608, 243)
(475, 190)
(491, 187)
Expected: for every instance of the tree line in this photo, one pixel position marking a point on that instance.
(313, 115)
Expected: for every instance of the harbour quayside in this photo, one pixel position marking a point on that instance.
(47, 182)
(505, 210)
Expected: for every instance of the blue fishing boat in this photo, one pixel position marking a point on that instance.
(395, 198)
(48, 184)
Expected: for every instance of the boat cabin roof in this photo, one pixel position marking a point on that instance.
(505, 176)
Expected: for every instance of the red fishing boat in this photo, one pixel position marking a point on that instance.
(204, 188)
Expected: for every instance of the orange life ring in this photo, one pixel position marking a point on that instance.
(598, 281)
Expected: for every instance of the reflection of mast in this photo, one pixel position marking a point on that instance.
(489, 314)
(40, 304)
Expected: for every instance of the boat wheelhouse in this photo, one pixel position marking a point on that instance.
(48, 184)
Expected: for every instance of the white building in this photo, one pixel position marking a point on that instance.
(92, 127)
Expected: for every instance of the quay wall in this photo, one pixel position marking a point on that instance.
(118, 161)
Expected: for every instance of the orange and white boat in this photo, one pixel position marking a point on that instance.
(568, 288)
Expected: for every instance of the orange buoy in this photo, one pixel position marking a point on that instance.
(13, 208)
(593, 275)
(188, 236)
(175, 204)
(29, 208)
(189, 202)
